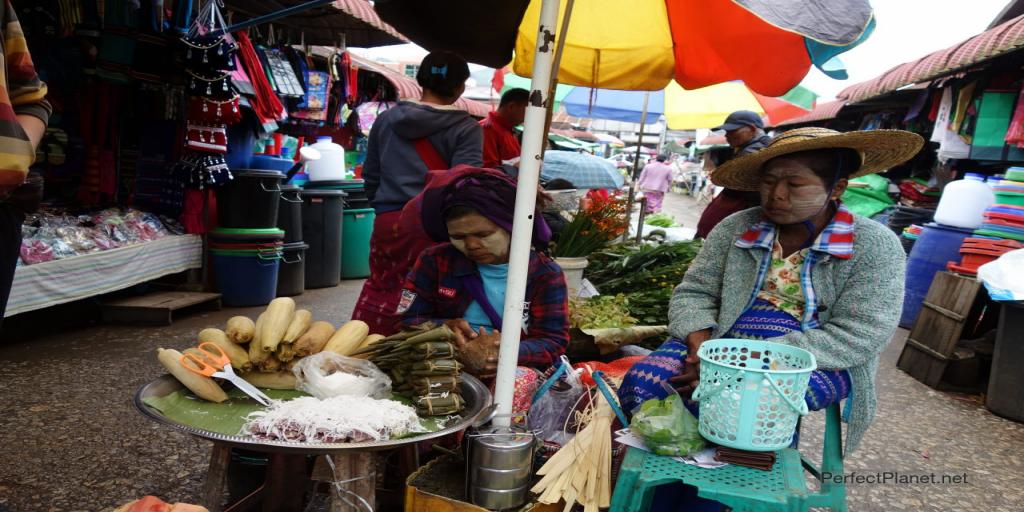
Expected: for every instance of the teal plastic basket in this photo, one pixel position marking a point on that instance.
(751, 393)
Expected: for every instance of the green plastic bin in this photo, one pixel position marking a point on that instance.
(356, 229)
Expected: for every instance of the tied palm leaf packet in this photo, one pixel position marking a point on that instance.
(666, 426)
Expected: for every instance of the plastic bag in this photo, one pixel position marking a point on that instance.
(1004, 277)
(555, 401)
(667, 426)
(329, 374)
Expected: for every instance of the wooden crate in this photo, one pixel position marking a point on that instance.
(156, 308)
(938, 327)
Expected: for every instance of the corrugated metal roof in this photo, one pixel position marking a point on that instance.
(1003, 39)
(822, 112)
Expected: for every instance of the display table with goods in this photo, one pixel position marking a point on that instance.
(323, 398)
(72, 257)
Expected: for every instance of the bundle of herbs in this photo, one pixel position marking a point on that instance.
(644, 274)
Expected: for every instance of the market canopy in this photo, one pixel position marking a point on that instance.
(1005, 38)
(323, 23)
(644, 44)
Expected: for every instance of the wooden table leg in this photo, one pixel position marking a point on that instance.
(358, 472)
(216, 477)
(286, 483)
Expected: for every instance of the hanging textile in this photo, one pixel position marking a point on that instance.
(266, 104)
(963, 102)
(1015, 134)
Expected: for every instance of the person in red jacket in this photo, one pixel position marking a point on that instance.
(500, 143)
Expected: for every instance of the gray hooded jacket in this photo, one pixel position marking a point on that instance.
(394, 171)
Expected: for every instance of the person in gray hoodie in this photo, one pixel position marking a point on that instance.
(406, 142)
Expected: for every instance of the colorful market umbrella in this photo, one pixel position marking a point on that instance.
(644, 44)
(687, 110)
(636, 45)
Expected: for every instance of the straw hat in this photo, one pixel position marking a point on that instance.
(879, 150)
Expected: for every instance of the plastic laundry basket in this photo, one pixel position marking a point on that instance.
(751, 393)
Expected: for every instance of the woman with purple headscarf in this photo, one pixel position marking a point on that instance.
(461, 282)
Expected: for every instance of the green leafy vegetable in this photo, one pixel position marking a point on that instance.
(601, 312)
(662, 220)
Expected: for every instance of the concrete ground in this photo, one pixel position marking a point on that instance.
(70, 440)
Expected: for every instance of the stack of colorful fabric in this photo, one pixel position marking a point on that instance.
(917, 193)
(909, 236)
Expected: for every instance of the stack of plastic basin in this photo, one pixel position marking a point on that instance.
(246, 262)
(976, 252)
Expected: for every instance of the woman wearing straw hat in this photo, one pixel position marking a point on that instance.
(800, 269)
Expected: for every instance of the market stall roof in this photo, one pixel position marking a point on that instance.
(408, 88)
(824, 112)
(604, 138)
(323, 24)
(1005, 38)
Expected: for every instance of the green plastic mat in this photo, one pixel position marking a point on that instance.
(228, 417)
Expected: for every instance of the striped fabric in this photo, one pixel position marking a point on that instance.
(836, 240)
(22, 93)
(57, 282)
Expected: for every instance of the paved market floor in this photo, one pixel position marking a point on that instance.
(70, 439)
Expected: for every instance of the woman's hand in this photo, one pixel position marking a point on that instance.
(686, 382)
(480, 355)
(463, 332)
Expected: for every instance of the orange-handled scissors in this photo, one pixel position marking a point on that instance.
(215, 363)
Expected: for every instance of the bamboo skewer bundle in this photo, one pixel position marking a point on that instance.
(580, 472)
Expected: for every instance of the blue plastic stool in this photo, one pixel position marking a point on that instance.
(782, 489)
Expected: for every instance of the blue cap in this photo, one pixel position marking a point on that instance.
(739, 119)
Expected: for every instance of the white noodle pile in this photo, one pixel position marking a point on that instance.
(343, 418)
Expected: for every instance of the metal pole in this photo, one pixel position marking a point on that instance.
(526, 202)
(276, 15)
(555, 64)
(636, 166)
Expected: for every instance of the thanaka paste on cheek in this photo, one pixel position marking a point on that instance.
(497, 243)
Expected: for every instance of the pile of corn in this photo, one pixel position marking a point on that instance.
(421, 363)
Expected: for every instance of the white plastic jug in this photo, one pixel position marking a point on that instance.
(964, 202)
(331, 165)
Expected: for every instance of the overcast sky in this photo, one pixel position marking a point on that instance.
(907, 30)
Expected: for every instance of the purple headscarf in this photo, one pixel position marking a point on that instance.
(487, 191)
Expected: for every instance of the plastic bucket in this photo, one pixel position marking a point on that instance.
(247, 236)
(935, 247)
(291, 279)
(289, 213)
(356, 230)
(1010, 198)
(573, 269)
(321, 227)
(250, 200)
(246, 278)
(751, 393)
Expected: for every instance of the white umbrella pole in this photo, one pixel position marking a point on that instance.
(526, 202)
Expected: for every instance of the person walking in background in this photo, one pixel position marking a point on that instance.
(24, 113)
(744, 131)
(655, 180)
(406, 142)
(501, 146)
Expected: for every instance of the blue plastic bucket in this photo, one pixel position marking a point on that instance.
(751, 392)
(246, 278)
(935, 246)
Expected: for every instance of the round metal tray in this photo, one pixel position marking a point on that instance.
(476, 395)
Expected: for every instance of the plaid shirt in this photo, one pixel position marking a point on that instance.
(434, 292)
(836, 240)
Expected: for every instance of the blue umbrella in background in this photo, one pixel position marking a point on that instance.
(613, 105)
(581, 169)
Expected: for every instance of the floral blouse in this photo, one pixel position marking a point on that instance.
(782, 283)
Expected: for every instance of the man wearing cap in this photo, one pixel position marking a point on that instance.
(744, 131)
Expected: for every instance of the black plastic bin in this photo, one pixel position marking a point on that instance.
(321, 228)
(250, 200)
(1006, 383)
(289, 213)
(291, 278)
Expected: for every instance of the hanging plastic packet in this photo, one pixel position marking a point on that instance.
(667, 426)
